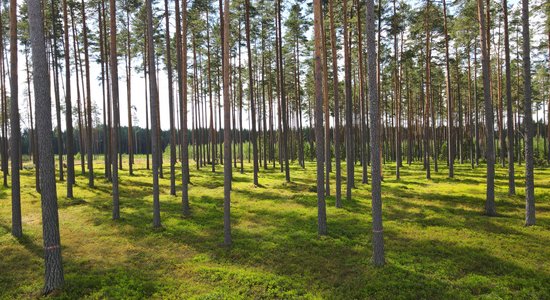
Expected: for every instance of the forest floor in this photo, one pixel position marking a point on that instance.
(439, 245)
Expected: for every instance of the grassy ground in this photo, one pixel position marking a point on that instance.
(438, 242)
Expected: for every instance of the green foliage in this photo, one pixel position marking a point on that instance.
(439, 244)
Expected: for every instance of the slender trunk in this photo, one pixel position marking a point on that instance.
(17, 228)
(181, 40)
(241, 146)
(128, 94)
(154, 115)
(349, 108)
(327, 156)
(50, 219)
(79, 108)
(336, 107)
(450, 124)
(251, 90)
(528, 118)
(212, 132)
(282, 92)
(363, 99)
(68, 106)
(397, 96)
(3, 109)
(319, 137)
(470, 100)
(227, 125)
(147, 102)
(509, 109)
(103, 88)
(55, 66)
(376, 173)
(171, 104)
(427, 94)
(476, 104)
(116, 111)
(89, 144)
(490, 209)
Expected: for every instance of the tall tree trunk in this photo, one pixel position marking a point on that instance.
(17, 228)
(499, 101)
(363, 100)
(154, 116)
(470, 100)
(450, 124)
(528, 118)
(227, 126)
(212, 130)
(3, 108)
(319, 137)
(476, 104)
(241, 146)
(68, 105)
(264, 117)
(116, 110)
(78, 67)
(55, 67)
(349, 108)
(89, 144)
(181, 41)
(336, 107)
(490, 209)
(397, 96)
(251, 90)
(548, 103)
(460, 133)
(129, 94)
(509, 109)
(326, 105)
(171, 103)
(104, 83)
(147, 102)
(376, 173)
(50, 219)
(284, 149)
(427, 94)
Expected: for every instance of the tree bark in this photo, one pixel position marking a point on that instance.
(376, 173)
(89, 144)
(227, 125)
(509, 109)
(450, 141)
(154, 116)
(528, 118)
(319, 135)
(55, 67)
(427, 94)
(490, 209)
(284, 149)
(129, 94)
(338, 170)
(181, 40)
(349, 109)
(50, 219)
(17, 228)
(116, 110)
(170, 103)
(251, 90)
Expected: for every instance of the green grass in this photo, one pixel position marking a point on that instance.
(438, 242)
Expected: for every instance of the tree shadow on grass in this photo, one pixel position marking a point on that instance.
(337, 266)
(285, 242)
(26, 241)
